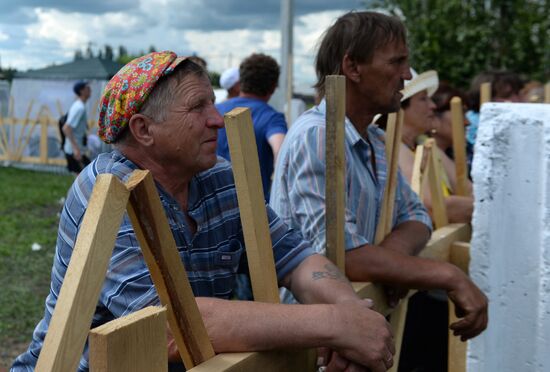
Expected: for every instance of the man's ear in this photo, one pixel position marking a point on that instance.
(350, 69)
(140, 126)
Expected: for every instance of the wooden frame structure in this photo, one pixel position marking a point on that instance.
(15, 135)
(110, 199)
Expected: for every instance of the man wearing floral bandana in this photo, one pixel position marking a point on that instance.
(158, 112)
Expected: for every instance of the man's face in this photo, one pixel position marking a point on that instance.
(86, 92)
(189, 134)
(383, 78)
(420, 112)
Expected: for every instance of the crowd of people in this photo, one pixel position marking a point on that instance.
(159, 113)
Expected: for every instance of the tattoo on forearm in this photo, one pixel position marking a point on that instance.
(331, 272)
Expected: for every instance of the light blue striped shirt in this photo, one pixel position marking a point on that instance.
(212, 256)
(298, 189)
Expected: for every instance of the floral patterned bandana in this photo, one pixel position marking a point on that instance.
(125, 94)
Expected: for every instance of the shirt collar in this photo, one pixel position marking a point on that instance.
(352, 135)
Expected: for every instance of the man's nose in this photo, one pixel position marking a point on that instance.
(214, 120)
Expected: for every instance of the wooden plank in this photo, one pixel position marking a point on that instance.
(246, 169)
(44, 139)
(18, 148)
(547, 92)
(459, 147)
(84, 278)
(456, 359)
(37, 160)
(133, 343)
(459, 256)
(3, 137)
(19, 153)
(335, 179)
(439, 210)
(394, 166)
(266, 361)
(484, 93)
(417, 173)
(384, 227)
(392, 132)
(167, 270)
(398, 320)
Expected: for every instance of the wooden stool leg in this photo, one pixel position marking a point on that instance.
(397, 321)
(457, 348)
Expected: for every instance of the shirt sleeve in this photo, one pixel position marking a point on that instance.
(289, 247)
(306, 171)
(276, 125)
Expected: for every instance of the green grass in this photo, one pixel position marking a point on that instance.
(29, 206)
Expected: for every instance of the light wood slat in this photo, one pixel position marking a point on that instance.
(335, 178)
(267, 361)
(84, 278)
(246, 170)
(485, 93)
(439, 211)
(167, 270)
(460, 256)
(459, 147)
(133, 343)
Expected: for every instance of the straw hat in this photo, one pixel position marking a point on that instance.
(425, 81)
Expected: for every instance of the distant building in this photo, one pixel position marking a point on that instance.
(53, 84)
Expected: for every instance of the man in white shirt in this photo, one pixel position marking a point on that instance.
(75, 129)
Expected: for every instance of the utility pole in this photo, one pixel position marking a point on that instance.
(283, 94)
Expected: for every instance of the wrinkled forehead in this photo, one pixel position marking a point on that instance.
(393, 49)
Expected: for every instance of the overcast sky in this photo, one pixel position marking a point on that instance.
(37, 33)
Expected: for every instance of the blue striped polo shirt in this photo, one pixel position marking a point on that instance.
(211, 256)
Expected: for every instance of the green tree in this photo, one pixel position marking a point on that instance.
(109, 54)
(7, 73)
(214, 78)
(460, 38)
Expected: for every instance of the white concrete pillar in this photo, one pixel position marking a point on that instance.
(511, 237)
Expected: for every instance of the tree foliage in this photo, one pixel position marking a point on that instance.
(461, 38)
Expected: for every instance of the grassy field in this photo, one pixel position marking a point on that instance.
(29, 207)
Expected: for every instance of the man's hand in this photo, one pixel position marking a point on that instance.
(362, 336)
(394, 294)
(471, 304)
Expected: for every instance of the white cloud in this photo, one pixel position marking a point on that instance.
(55, 35)
(3, 36)
(74, 30)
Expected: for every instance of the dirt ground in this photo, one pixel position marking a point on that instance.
(9, 351)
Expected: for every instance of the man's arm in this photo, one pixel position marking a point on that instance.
(351, 328)
(276, 141)
(346, 324)
(388, 266)
(68, 131)
(409, 237)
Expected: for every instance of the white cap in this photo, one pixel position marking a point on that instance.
(229, 78)
(428, 81)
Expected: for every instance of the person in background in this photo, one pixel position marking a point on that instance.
(420, 118)
(505, 87)
(229, 80)
(259, 75)
(443, 128)
(76, 129)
